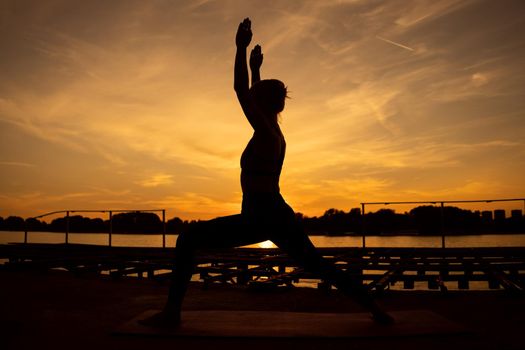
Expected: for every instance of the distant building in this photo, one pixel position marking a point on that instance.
(486, 215)
(499, 215)
(516, 214)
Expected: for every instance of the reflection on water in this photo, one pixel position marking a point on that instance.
(412, 241)
(121, 240)
(265, 244)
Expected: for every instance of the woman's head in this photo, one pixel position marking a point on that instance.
(269, 95)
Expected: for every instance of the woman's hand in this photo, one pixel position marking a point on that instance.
(256, 58)
(244, 34)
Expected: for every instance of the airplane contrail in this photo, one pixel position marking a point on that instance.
(394, 43)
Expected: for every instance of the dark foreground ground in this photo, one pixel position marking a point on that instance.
(56, 310)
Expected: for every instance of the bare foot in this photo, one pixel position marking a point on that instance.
(162, 319)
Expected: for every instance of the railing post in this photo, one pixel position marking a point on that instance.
(442, 225)
(363, 224)
(110, 226)
(25, 231)
(163, 228)
(67, 227)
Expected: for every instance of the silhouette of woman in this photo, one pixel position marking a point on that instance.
(265, 215)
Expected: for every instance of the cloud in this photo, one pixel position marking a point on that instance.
(416, 12)
(394, 43)
(198, 205)
(18, 164)
(479, 79)
(157, 180)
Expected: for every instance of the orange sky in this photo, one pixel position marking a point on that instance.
(130, 104)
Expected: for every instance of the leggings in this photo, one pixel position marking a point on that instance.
(264, 216)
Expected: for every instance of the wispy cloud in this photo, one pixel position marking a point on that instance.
(18, 164)
(416, 12)
(394, 43)
(198, 205)
(157, 180)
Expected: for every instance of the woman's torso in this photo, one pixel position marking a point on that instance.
(262, 161)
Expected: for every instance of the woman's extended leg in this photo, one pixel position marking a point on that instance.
(222, 232)
(291, 238)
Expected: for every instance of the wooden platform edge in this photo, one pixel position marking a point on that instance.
(278, 324)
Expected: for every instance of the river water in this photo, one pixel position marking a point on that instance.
(134, 240)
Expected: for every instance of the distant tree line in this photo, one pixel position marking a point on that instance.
(424, 220)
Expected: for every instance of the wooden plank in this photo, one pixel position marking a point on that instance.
(280, 278)
(377, 262)
(384, 282)
(505, 281)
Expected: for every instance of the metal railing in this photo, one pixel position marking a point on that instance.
(110, 212)
(442, 213)
(441, 203)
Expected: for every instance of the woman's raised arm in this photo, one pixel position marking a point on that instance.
(240, 75)
(256, 60)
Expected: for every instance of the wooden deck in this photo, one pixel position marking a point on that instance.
(378, 268)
